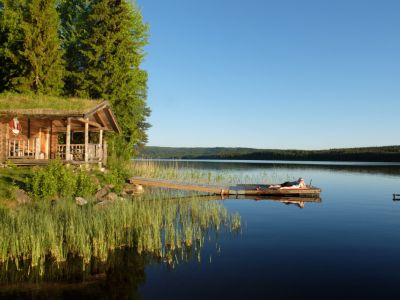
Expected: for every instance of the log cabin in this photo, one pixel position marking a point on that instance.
(35, 130)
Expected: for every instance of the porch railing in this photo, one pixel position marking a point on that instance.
(77, 152)
(23, 148)
(31, 149)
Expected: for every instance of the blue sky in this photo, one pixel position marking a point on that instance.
(273, 74)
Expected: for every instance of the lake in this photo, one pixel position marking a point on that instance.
(344, 246)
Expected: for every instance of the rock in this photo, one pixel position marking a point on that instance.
(80, 201)
(110, 186)
(102, 193)
(22, 197)
(111, 196)
(139, 188)
(133, 189)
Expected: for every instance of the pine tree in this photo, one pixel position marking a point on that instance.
(113, 54)
(41, 57)
(73, 15)
(11, 41)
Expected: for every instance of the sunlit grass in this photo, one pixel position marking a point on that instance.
(157, 224)
(179, 171)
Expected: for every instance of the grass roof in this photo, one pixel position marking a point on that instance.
(11, 102)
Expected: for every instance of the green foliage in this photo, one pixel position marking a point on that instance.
(85, 186)
(73, 15)
(12, 178)
(378, 154)
(118, 162)
(153, 225)
(113, 52)
(94, 47)
(57, 180)
(33, 46)
(11, 41)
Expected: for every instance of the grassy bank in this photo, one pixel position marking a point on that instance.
(10, 180)
(157, 224)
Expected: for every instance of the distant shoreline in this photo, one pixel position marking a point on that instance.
(389, 154)
(278, 162)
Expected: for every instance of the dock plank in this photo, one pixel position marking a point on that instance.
(241, 189)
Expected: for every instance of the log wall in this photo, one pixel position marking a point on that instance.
(3, 141)
(29, 131)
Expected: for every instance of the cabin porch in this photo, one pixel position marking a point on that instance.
(76, 138)
(52, 143)
(23, 150)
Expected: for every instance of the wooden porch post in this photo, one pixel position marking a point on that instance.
(47, 154)
(86, 140)
(68, 140)
(101, 146)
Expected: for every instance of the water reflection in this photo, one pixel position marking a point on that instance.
(118, 278)
(366, 168)
(295, 201)
(182, 226)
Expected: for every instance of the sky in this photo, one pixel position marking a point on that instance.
(282, 74)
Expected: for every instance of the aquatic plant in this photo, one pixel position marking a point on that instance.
(184, 171)
(157, 224)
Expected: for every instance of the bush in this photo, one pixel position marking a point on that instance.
(58, 181)
(118, 162)
(85, 186)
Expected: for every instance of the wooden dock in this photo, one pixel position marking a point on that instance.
(240, 189)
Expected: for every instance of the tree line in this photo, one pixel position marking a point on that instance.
(367, 154)
(78, 48)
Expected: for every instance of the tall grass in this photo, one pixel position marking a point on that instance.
(181, 171)
(157, 224)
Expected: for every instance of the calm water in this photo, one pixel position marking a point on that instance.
(347, 246)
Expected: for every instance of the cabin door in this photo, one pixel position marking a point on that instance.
(44, 144)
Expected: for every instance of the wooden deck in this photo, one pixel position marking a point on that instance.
(241, 189)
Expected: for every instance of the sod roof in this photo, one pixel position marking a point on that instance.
(12, 102)
(48, 107)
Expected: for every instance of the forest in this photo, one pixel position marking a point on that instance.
(78, 48)
(363, 154)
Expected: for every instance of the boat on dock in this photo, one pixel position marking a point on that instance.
(239, 189)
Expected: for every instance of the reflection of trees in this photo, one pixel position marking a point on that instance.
(118, 278)
(160, 229)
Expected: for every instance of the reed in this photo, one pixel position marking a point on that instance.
(183, 171)
(157, 223)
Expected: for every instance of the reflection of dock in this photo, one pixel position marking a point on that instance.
(241, 189)
(299, 201)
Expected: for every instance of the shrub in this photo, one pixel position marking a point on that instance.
(85, 186)
(118, 161)
(57, 180)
